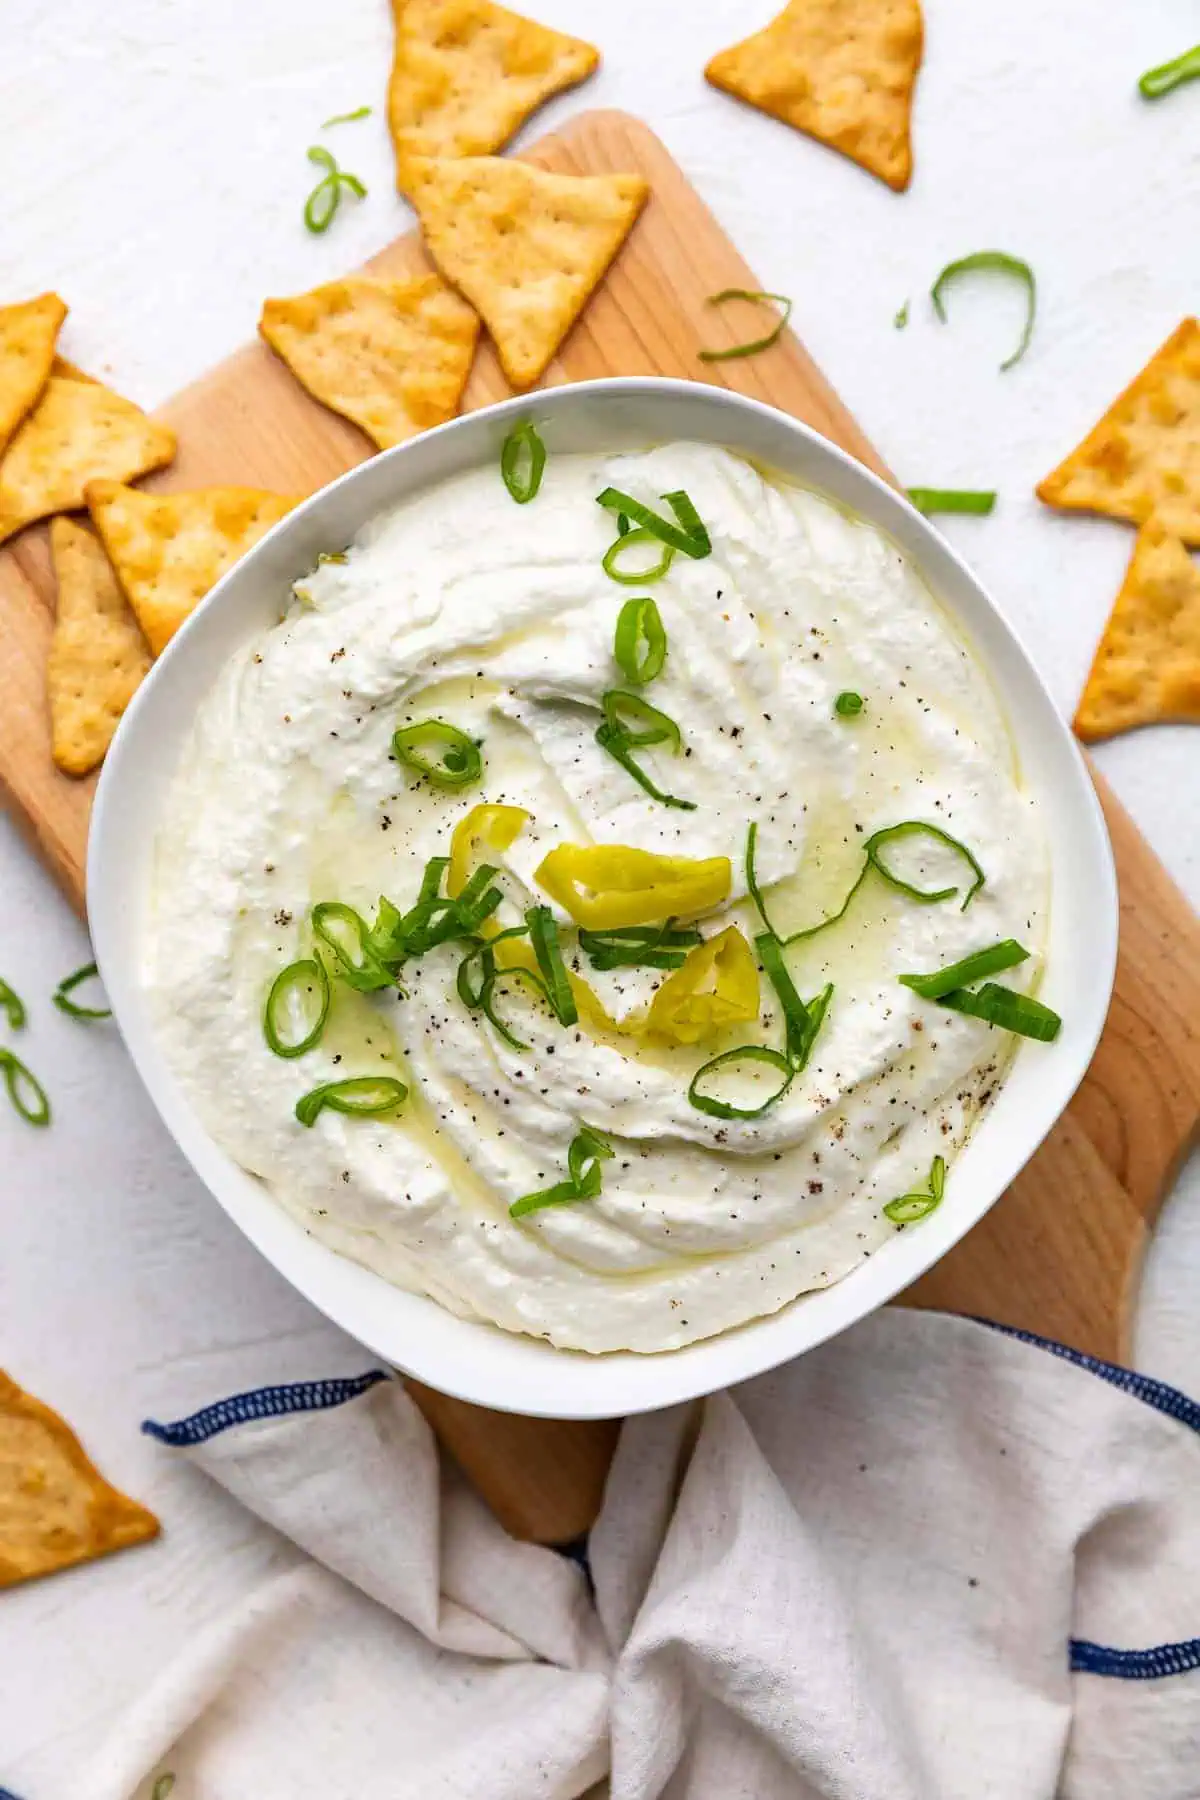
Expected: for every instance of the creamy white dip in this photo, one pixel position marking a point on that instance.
(462, 605)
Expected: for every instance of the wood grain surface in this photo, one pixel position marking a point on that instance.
(1060, 1253)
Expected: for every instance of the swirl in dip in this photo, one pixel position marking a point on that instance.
(499, 618)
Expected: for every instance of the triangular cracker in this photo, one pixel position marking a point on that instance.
(526, 248)
(79, 431)
(394, 356)
(27, 334)
(98, 656)
(1142, 460)
(1147, 667)
(841, 70)
(466, 75)
(56, 1509)
(169, 549)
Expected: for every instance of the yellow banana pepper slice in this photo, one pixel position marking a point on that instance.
(484, 828)
(613, 884)
(715, 986)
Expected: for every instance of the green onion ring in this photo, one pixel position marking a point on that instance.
(543, 935)
(461, 761)
(650, 726)
(901, 318)
(640, 641)
(587, 1150)
(908, 828)
(848, 704)
(999, 262)
(347, 118)
(326, 197)
(366, 1094)
(524, 439)
(1157, 82)
(21, 1084)
(1004, 955)
(762, 343)
(1009, 1010)
(911, 1207)
(13, 1007)
(688, 535)
(627, 540)
(927, 500)
(724, 1109)
(65, 988)
(346, 935)
(308, 973)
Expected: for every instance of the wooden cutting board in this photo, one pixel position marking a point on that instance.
(1060, 1253)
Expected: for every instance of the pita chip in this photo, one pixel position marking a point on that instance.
(841, 70)
(525, 247)
(1147, 667)
(98, 656)
(78, 431)
(27, 336)
(169, 549)
(393, 356)
(1143, 458)
(467, 74)
(56, 1509)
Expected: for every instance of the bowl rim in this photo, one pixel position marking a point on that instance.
(470, 1359)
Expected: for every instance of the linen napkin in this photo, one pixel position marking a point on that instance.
(929, 1560)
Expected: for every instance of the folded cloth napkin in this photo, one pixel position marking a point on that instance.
(929, 1561)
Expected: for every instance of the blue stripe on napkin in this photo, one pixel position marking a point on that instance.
(260, 1403)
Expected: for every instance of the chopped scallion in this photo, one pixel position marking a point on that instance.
(439, 750)
(24, 1090)
(1004, 955)
(911, 1207)
(687, 535)
(1156, 82)
(12, 1006)
(1002, 1006)
(72, 1008)
(927, 500)
(629, 539)
(366, 1094)
(640, 641)
(848, 704)
(297, 1007)
(996, 262)
(756, 344)
(523, 461)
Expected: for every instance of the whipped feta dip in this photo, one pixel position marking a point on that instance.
(460, 605)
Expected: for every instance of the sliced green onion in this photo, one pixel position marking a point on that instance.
(629, 539)
(12, 1006)
(367, 1094)
(901, 318)
(746, 1053)
(66, 987)
(1011, 1011)
(587, 1149)
(385, 939)
(1004, 955)
(481, 998)
(757, 344)
(435, 748)
(997, 262)
(911, 828)
(618, 747)
(297, 1007)
(752, 886)
(640, 641)
(638, 722)
(24, 1090)
(523, 461)
(360, 112)
(638, 946)
(848, 704)
(163, 1786)
(326, 197)
(910, 1207)
(929, 500)
(543, 936)
(688, 535)
(802, 1020)
(345, 933)
(1156, 82)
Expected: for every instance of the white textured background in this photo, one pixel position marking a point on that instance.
(153, 170)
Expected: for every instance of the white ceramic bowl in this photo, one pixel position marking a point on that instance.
(479, 1362)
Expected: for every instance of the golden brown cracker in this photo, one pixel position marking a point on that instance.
(56, 1509)
(27, 337)
(1147, 666)
(79, 431)
(169, 549)
(1142, 460)
(841, 70)
(98, 656)
(466, 75)
(393, 356)
(526, 248)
